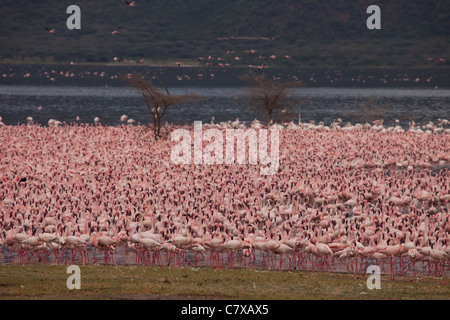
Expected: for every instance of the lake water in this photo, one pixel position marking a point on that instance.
(65, 92)
(321, 104)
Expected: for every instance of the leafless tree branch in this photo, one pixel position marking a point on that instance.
(270, 96)
(158, 101)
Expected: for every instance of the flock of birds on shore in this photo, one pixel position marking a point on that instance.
(442, 126)
(343, 196)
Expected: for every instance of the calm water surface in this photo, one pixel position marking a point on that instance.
(65, 103)
(66, 91)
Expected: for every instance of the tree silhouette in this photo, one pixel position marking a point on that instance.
(269, 96)
(157, 99)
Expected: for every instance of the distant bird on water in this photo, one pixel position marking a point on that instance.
(115, 32)
(130, 4)
(52, 30)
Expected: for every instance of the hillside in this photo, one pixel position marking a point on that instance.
(413, 34)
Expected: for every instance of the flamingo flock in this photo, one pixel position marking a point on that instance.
(344, 198)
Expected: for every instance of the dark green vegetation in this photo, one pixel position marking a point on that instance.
(313, 33)
(137, 282)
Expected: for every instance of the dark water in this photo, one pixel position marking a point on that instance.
(65, 92)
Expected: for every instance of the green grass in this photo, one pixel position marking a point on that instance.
(138, 282)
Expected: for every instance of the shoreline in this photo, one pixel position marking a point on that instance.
(172, 64)
(150, 283)
(336, 126)
(213, 76)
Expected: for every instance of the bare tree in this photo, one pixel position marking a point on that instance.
(157, 99)
(269, 96)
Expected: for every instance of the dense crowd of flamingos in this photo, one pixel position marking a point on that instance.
(345, 197)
